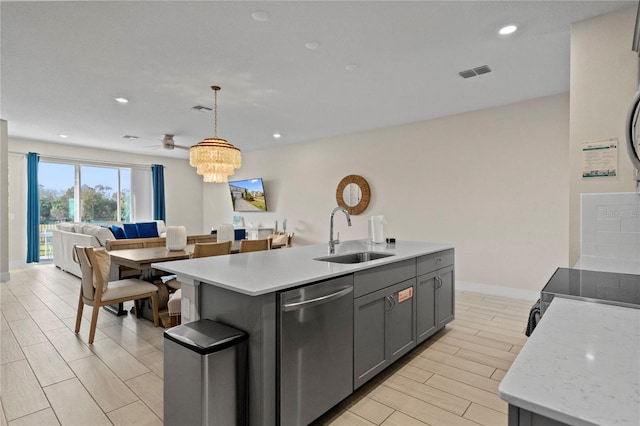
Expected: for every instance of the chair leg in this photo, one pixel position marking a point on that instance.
(79, 315)
(154, 302)
(94, 322)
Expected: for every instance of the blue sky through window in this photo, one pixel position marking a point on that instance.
(56, 176)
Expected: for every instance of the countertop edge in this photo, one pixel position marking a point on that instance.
(419, 249)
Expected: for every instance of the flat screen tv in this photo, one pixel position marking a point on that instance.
(248, 195)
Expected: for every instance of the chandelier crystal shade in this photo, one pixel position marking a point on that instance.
(215, 158)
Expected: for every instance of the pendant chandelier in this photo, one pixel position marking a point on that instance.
(215, 158)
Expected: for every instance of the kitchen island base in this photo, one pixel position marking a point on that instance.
(521, 417)
(225, 291)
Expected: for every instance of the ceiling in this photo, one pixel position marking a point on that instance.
(377, 64)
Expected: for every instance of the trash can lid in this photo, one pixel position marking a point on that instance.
(205, 336)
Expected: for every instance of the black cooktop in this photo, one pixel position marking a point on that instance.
(606, 287)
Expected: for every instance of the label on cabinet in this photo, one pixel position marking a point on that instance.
(405, 294)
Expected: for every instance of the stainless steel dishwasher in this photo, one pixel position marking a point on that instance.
(315, 349)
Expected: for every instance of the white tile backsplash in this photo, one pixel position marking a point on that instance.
(611, 225)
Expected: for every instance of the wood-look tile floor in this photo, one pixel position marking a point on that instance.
(51, 376)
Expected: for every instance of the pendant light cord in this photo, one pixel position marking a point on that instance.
(215, 110)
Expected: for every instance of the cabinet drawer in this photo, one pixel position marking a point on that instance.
(370, 280)
(434, 261)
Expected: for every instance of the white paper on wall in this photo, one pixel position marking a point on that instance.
(600, 159)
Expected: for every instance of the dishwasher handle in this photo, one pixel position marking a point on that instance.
(288, 307)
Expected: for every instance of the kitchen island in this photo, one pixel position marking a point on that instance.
(581, 366)
(416, 283)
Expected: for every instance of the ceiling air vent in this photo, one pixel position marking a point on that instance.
(475, 71)
(130, 137)
(201, 108)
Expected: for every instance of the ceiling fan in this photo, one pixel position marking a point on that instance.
(168, 143)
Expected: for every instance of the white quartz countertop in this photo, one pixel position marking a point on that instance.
(263, 272)
(581, 365)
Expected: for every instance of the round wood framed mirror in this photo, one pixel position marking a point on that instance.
(353, 194)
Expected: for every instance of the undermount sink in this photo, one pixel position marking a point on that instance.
(358, 257)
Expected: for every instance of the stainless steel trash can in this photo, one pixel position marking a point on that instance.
(205, 374)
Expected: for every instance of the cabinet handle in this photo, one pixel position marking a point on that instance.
(391, 301)
(438, 281)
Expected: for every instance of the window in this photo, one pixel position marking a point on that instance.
(103, 197)
(91, 193)
(57, 183)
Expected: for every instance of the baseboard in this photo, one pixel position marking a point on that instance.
(5, 276)
(17, 264)
(496, 290)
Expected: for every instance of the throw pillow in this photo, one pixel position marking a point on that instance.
(118, 232)
(147, 229)
(103, 267)
(130, 230)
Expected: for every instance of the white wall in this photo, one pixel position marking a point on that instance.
(183, 188)
(492, 182)
(4, 197)
(604, 78)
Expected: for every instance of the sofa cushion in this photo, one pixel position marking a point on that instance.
(147, 229)
(130, 230)
(66, 226)
(108, 228)
(101, 234)
(118, 232)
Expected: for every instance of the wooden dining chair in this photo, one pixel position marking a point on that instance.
(254, 245)
(96, 290)
(281, 239)
(211, 249)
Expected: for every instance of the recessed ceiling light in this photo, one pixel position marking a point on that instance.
(312, 45)
(61, 135)
(351, 67)
(277, 135)
(122, 100)
(260, 15)
(507, 29)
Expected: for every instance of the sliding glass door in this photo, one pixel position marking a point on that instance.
(57, 184)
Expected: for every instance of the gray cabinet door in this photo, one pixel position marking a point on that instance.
(384, 329)
(445, 296)
(400, 327)
(369, 318)
(426, 323)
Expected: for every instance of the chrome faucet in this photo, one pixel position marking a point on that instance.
(332, 242)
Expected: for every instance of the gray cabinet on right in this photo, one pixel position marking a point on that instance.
(434, 293)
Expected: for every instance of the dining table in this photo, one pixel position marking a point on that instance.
(140, 259)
